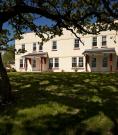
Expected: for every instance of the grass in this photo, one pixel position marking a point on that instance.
(61, 104)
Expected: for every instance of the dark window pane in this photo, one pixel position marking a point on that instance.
(76, 45)
(74, 61)
(56, 62)
(105, 61)
(34, 46)
(94, 43)
(21, 63)
(50, 63)
(40, 47)
(80, 61)
(103, 40)
(93, 62)
(54, 45)
(23, 46)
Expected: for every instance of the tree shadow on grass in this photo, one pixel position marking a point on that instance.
(85, 95)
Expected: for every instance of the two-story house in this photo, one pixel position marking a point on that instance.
(96, 53)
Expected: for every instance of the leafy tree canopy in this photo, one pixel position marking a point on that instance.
(9, 56)
(85, 16)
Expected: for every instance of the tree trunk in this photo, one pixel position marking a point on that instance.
(5, 84)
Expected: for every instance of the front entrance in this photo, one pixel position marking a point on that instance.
(101, 62)
(36, 62)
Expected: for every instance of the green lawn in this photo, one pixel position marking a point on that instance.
(61, 104)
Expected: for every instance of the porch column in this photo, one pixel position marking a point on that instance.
(110, 61)
(41, 62)
(25, 64)
(29, 64)
(30, 61)
(86, 62)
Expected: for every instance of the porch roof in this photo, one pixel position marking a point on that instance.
(99, 50)
(32, 55)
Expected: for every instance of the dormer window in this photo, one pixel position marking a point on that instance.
(54, 45)
(76, 44)
(34, 47)
(104, 41)
(94, 42)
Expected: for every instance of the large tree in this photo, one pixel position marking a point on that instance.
(82, 16)
(9, 56)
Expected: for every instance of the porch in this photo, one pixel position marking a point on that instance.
(36, 62)
(101, 60)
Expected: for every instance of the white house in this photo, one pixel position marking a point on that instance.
(99, 53)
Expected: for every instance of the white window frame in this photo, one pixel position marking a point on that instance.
(34, 47)
(50, 63)
(76, 43)
(74, 62)
(40, 47)
(94, 41)
(77, 62)
(104, 40)
(54, 62)
(80, 61)
(21, 63)
(54, 45)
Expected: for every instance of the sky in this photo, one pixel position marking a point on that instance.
(41, 21)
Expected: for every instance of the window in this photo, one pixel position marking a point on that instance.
(103, 40)
(21, 63)
(94, 43)
(40, 47)
(77, 61)
(54, 45)
(76, 45)
(34, 46)
(50, 63)
(74, 61)
(34, 63)
(23, 46)
(80, 64)
(53, 63)
(93, 62)
(56, 62)
(105, 60)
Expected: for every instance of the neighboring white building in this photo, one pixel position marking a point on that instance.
(66, 53)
